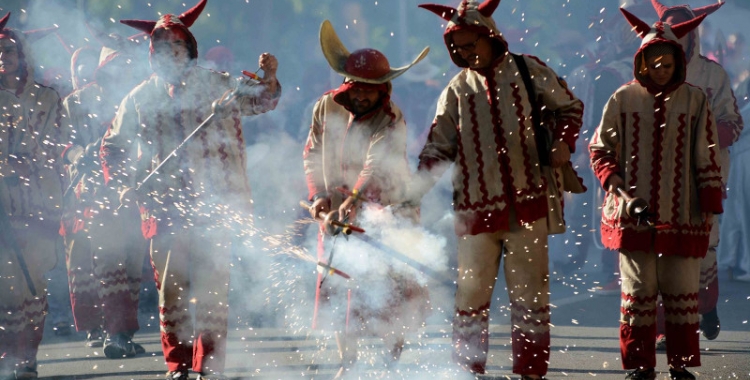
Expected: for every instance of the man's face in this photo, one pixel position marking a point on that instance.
(171, 51)
(474, 48)
(363, 100)
(9, 62)
(661, 69)
(675, 18)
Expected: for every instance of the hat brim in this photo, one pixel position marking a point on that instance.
(336, 54)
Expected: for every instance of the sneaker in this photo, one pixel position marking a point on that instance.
(680, 375)
(118, 346)
(710, 324)
(648, 374)
(177, 375)
(213, 376)
(94, 338)
(527, 377)
(612, 288)
(661, 342)
(742, 278)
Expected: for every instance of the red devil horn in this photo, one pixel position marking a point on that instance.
(446, 13)
(488, 7)
(142, 25)
(660, 8)
(4, 20)
(64, 44)
(33, 35)
(640, 27)
(189, 16)
(683, 28)
(708, 9)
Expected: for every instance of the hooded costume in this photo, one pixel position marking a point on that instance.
(22, 313)
(103, 291)
(662, 141)
(714, 81)
(41, 200)
(502, 195)
(31, 194)
(199, 200)
(365, 154)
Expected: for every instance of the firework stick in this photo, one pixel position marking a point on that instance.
(346, 228)
(331, 270)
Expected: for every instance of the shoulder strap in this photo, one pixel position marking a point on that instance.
(542, 142)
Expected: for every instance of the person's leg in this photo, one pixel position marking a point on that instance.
(170, 255)
(84, 297)
(527, 277)
(58, 296)
(638, 309)
(678, 283)
(708, 295)
(37, 246)
(478, 264)
(209, 284)
(118, 267)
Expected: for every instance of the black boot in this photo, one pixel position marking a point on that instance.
(710, 324)
(680, 375)
(648, 374)
(118, 346)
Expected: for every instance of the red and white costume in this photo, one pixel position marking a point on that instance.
(663, 143)
(364, 153)
(502, 196)
(31, 193)
(714, 81)
(105, 250)
(198, 201)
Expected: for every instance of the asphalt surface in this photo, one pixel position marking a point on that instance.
(584, 343)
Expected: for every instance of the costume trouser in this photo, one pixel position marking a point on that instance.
(118, 250)
(709, 280)
(644, 277)
(21, 313)
(58, 296)
(84, 296)
(105, 266)
(524, 250)
(191, 268)
(708, 295)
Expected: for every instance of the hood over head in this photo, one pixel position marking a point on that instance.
(88, 57)
(179, 24)
(470, 15)
(660, 38)
(688, 13)
(22, 39)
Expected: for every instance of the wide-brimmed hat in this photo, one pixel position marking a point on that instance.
(363, 65)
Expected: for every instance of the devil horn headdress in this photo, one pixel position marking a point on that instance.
(187, 18)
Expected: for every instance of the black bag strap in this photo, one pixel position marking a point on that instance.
(542, 138)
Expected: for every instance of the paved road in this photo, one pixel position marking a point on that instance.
(584, 344)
